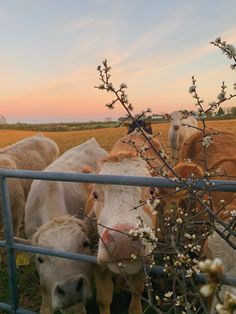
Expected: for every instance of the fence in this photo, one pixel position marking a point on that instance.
(11, 246)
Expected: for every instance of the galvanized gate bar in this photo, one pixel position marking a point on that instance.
(58, 253)
(2, 243)
(215, 185)
(5, 307)
(23, 311)
(92, 259)
(9, 236)
(226, 280)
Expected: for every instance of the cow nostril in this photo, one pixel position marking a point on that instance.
(107, 237)
(80, 284)
(60, 291)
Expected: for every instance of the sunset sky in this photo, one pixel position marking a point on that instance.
(50, 50)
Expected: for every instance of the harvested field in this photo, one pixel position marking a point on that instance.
(105, 137)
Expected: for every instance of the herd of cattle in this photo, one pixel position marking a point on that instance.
(61, 215)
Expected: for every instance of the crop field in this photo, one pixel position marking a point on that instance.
(105, 137)
(28, 279)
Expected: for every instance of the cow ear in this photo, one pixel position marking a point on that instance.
(88, 186)
(185, 170)
(22, 241)
(167, 116)
(207, 252)
(87, 169)
(88, 209)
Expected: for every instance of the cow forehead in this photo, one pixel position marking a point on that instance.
(177, 115)
(128, 167)
(68, 239)
(60, 234)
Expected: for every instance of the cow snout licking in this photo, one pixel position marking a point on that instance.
(176, 127)
(70, 291)
(118, 245)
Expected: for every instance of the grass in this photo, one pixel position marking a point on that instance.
(55, 127)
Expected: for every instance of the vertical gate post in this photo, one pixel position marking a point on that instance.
(9, 237)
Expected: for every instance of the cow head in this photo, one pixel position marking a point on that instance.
(177, 119)
(146, 125)
(118, 212)
(63, 281)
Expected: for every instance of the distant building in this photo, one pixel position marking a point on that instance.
(157, 117)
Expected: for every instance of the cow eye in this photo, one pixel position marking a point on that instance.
(86, 244)
(40, 259)
(152, 191)
(95, 195)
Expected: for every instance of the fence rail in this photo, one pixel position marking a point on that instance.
(11, 246)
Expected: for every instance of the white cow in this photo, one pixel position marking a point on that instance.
(182, 126)
(63, 281)
(32, 153)
(117, 213)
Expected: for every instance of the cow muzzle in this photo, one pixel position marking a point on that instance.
(69, 292)
(176, 127)
(116, 245)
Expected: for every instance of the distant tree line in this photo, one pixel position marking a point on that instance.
(225, 113)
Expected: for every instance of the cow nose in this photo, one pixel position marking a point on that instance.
(63, 289)
(111, 234)
(176, 127)
(71, 291)
(118, 244)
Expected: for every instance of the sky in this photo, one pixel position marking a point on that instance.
(50, 50)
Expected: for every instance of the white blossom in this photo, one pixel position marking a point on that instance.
(189, 273)
(207, 290)
(211, 266)
(207, 141)
(202, 115)
(179, 221)
(192, 89)
(221, 95)
(233, 213)
(168, 294)
(229, 305)
(231, 50)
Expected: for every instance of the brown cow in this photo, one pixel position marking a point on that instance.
(221, 162)
(32, 153)
(113, 206)
(223, 144)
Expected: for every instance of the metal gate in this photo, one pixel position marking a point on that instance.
(11, 246)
